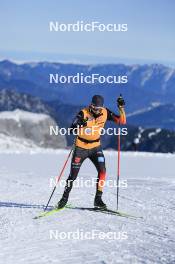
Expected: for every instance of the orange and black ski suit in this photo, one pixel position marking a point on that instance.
(88, 145)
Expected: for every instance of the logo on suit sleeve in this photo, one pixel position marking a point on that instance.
(77, 159)
(101, 159)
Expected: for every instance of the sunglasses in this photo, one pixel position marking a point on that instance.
(96, 108)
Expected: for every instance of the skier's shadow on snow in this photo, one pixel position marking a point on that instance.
(22, 205)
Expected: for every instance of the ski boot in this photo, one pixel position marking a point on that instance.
(62, 203)
(98, 203)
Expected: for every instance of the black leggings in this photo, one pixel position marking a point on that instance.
(96, 156)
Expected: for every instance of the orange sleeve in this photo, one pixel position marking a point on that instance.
(119, 119)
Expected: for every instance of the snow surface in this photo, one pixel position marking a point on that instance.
(24, 181)
(13, 144)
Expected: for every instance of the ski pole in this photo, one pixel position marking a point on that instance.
(120, 102)
(59, 177)
(118, 169)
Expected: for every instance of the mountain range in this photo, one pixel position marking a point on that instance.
(149, 97)
(156, 116)
(150, 139)
(147, 84)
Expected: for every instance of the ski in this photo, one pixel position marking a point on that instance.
(93, 209)
(50, 212)
(106, 211)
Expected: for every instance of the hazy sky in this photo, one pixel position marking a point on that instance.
(24, 28)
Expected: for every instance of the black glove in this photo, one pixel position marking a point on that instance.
(84, 122)
(79, 121)
(120, 101)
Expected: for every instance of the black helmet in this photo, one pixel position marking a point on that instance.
(97, 100)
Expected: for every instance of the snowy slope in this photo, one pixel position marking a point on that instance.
(25, 188)
(33, 127)
(14, 144)
(19, 115)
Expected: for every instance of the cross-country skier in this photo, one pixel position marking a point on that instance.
(88, 145)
